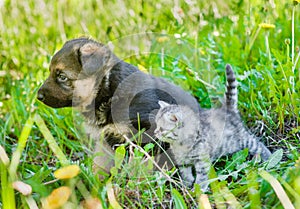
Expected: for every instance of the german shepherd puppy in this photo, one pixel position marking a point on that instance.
(114, 96)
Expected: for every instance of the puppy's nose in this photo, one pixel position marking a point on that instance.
(40, 96)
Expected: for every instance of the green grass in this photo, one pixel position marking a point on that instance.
(199, 39)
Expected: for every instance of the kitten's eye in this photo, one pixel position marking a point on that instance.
(62, 78)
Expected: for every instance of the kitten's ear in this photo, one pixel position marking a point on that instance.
(163, 104)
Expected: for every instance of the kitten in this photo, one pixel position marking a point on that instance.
(195, 140)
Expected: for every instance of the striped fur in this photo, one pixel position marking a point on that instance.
(231, 89)
(196, 140)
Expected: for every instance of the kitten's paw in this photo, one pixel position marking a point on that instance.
(257, 158)
(204, 187)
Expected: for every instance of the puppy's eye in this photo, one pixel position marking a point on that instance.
(62, 78)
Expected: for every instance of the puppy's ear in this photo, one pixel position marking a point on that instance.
(93, 57)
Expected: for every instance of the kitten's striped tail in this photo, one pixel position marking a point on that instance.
(231, 89)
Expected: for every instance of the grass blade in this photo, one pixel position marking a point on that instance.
(230, 198)
(216, 187)
(282, 196)
(292, 191)
(119, 156)
(31, 203)
(253, 192)
(7, 192)
(50, 139)
(111, 196)
(178, 199)
(204, 202)
(21, 145)
(3, 156)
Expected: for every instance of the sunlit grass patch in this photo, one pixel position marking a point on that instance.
(36, 141)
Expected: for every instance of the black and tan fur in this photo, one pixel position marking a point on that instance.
(86, 75)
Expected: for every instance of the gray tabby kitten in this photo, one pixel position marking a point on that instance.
(196, 140)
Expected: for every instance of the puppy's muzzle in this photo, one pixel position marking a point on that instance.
(54, 96)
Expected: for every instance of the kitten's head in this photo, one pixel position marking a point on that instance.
(170, 121)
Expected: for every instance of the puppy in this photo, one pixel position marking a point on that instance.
(114, 96)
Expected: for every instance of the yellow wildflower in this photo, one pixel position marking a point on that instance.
(57, 198)
(162, 39)
(91, 203)
(202, 51)
(24, 189)
(296, 2)
(266, 25)
(67, 172)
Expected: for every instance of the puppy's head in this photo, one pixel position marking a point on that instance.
(74, 72)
